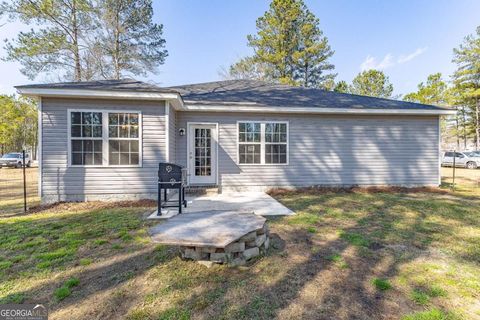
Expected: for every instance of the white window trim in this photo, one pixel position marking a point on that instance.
(105, 138)
(263, 143)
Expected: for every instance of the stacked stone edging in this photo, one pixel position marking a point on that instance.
(236, 253)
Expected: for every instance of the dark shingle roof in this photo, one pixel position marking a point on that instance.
(111, 85)
(260, 93)
(245, 92)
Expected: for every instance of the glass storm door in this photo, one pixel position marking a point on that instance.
(202, 153)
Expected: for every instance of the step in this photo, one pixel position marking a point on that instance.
(202, 190)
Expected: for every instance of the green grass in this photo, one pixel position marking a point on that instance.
(355, 239)
(419, 297)
(65, 290)
(312, 229)
(433, 314)
(381, 284)
(62, 293)
(427, 244)
(13, 298)
(174, 314)
(5, 264)
(72, 282)
(85, 261)
(338, 260)
(422, 296)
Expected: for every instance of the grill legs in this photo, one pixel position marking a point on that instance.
(170, 204)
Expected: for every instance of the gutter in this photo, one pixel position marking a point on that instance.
(315, 110)
(175, 98)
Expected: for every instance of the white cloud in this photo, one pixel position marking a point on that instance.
(372, 62)
(389, 60)
(411, 56)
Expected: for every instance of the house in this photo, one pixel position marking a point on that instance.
(104, 139)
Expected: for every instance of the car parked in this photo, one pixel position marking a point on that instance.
(473, 153)
(462, 159)
(14, 160)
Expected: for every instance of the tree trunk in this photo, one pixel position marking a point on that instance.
(464, 127)
(76, 51)
(477, 122)
(305, 83)
(457, 129)
(116, 51)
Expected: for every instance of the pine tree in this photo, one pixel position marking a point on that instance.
(247, 68)
(289, 48)
(56, 43)
(312, 56)
(341, 86)
(432, 92)
(131, 44)
(467, 77)
(372, 83)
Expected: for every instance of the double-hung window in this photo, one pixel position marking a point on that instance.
(262, 142)
(86, 138)
(123, 139)
(249, 142)
(105, 138)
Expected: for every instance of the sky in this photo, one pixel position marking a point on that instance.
(407, 39)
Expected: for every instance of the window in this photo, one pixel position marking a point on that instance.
(104, 138)
(262, 142)
(86, 138)
(275, 143)
(123, 139)
(249, 139)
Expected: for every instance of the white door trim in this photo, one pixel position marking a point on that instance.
(214, 126)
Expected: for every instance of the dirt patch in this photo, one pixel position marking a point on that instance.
(91, 205)
(356, 189)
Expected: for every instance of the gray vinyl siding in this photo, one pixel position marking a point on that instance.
(330, 150)
(172, 127)
(61, 182)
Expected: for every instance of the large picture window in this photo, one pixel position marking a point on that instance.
(262, 142)
(105, 138)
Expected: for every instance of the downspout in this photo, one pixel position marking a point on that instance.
(167, 131)
(39, 146)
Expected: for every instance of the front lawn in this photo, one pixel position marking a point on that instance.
(363, 255)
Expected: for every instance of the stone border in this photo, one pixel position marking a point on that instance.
(234, 254)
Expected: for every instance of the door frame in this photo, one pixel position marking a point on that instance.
(214, 143)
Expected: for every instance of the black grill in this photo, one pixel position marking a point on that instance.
(171, 176)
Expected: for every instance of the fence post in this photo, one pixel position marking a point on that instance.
(24, 183)
(454, 156)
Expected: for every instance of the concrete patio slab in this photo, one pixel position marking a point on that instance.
(258, 203)
(214, 229)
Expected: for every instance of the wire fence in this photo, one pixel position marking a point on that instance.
(17, 190)
(460, 178)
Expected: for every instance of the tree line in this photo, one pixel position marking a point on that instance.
(18, 125)
(290, 48)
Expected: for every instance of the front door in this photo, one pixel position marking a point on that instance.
(202, 153)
